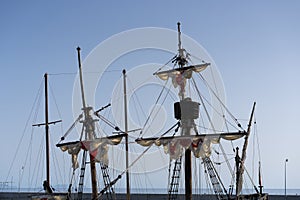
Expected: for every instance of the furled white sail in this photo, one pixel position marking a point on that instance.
(98, 148)
(185, 71)
(180, 75)
(199, 144)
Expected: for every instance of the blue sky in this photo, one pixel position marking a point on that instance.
(255, 45)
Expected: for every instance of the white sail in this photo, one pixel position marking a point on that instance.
(199, 144)
(98, 148)
(186, 71)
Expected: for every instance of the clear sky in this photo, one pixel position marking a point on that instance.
(255, 45)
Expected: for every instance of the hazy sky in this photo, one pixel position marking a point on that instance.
(255, 45)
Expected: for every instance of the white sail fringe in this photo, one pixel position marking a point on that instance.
(199, 144)
(180, 75)
(185, 71)
(98, 148)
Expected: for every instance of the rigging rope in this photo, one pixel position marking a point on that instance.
(56, 105)
(138, 158)
(157, 111)
(23, 133)
(56, 163)
(221, 147)
(253, 184)
(101, 123)
(171, 60)
(39, 162)
(202, 102)
(257, 139)
(213, 92)
(156, 102)
(109, 123)
(63, 73)
(71, 128)
(135, 98)
(29, 150)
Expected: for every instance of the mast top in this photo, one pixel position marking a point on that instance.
(179, 36)
(181, 59)
(184, 71)
(81, 78)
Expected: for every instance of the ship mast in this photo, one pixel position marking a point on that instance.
(186, 126)
(126, 137)
(47, 129)
(46, 183)
(89, 124)
(240, 162)
(186, 110)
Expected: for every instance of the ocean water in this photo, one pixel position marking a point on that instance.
(153, 190)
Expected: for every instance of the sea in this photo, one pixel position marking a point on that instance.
(155, 190)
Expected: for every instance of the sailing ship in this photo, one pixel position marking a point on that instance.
(185, 142)
(190, 141)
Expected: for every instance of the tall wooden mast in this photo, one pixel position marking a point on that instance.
(46, 183)
(241, 162)
(126, 137)
(186, 110)
(186, 126)
(89, 129)
(47, 130)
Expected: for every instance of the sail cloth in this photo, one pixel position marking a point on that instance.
(186, 71)
(180, 75)
(98, 148)
(199, 144)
